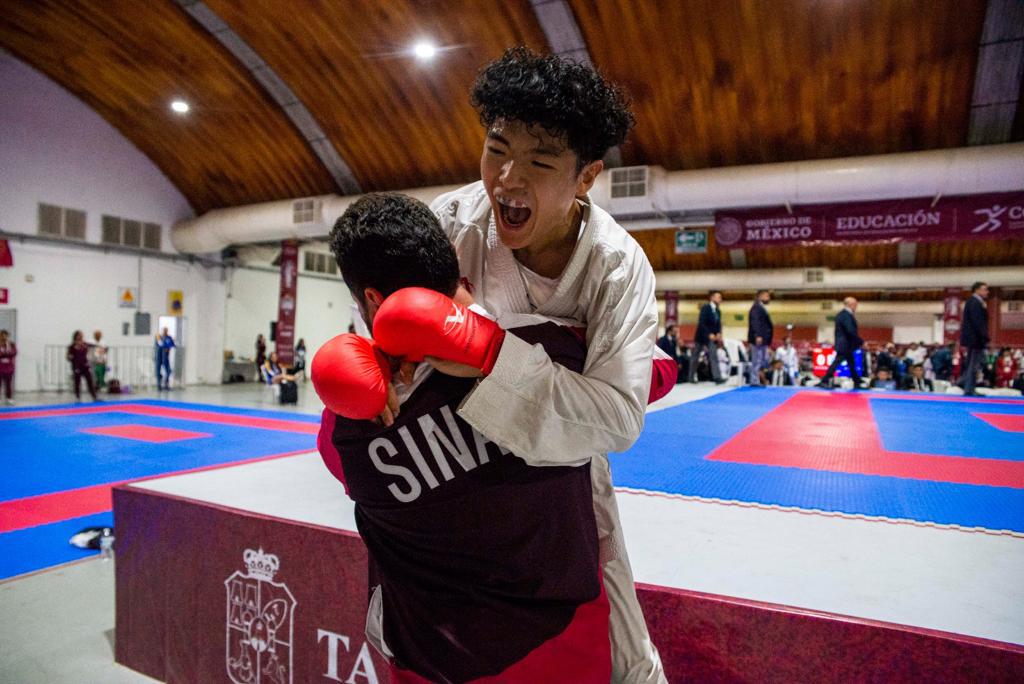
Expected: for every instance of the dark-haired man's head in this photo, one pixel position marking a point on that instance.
(715, 296)
(549, 122)
(981, 289)
(670, 330)
(917, 370)
(764, 296)
(884, 374)
(387, 241)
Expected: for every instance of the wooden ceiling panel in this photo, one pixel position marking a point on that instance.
(128, 60)
(659, 245)
(726, 82)
(974, 253)
(398, 123)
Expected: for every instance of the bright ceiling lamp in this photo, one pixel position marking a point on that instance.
(424, 51)
(180, 107)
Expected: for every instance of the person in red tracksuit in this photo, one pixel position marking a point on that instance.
(482, 568)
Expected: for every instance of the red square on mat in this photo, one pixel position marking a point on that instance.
(1002, 421)
(146, 433)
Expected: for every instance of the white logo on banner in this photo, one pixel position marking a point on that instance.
(992, 221)
(260, 623)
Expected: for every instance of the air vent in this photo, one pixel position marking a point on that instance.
(61, 222)
(826, 306)
(130, 233)
(320, 262)
(814, 275)
(1015, 307)
(304, 211)
(629, 181)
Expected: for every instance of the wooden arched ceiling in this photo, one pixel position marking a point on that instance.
(127, 60)
(659, 245)
(714, 82)
(727, 82)
(398, 123)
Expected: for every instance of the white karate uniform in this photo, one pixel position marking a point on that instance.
(548, 415)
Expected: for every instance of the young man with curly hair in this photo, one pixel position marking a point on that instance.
(529, 240)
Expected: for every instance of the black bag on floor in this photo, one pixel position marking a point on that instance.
(113, 386)
(289, 393)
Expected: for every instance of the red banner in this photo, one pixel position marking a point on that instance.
(951, 315)
(967, 217)
(6, 257)
(671, 308)
(285, 337)
(3, 295)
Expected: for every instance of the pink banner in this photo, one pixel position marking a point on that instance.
(285, 338)
(951, 315)
(671, 308)
(968, 217)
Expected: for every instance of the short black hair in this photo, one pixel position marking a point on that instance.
(977, 285)
(712, 293)
(761, 292)
(389, 241)
(567, 99)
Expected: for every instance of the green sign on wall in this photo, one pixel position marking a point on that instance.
(691, 241)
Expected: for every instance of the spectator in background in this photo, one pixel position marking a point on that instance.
(261, 355)
(299, 366)
(669, 344)
(847, 342)
(1006, 369)
(708, 337)
(273, 372)
(7, 353)
(974, 336)
(916, 382)
(164, 346)
(916, 353)
(99, 360)
(776, 375)
(759, 335)
(942, 362)
(883, 380)
(78, 355)
(790, 358)
(888, 359)
(724, 363)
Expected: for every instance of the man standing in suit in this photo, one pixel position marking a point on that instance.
(708, 336)
(759, 335)
(974, 336)
(847, 342)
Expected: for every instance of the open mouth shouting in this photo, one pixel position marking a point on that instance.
(513, 213)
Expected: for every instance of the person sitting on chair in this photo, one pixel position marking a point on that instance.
(776, 375)
(916, 382)
(273, 373)
(883, 380)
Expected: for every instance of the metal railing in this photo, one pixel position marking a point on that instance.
(132, 366)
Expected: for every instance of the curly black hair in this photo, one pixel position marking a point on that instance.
(388, 241)
(565, 98)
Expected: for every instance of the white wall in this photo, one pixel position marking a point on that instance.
(56, 150)
(323, 310)
(56, 290)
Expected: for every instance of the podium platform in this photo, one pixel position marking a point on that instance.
(254, 574)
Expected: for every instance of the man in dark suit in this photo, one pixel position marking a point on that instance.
(759, 335)
(974, 336)
(776, 375)
(916, 382)
(847, 342)
(708, 336)
(669, 344)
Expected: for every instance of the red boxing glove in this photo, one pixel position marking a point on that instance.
(414, 322)
(351, 377)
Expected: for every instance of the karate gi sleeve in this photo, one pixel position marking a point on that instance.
(549, 415)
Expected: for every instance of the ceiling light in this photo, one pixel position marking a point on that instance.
(424, 50)
(180, 106)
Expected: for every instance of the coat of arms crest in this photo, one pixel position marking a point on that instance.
(260, 623)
